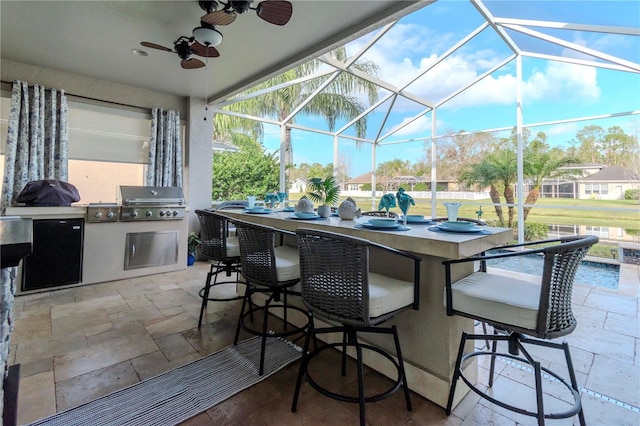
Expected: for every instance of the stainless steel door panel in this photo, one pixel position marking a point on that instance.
(146, 249)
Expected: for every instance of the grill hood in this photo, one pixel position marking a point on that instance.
(150, 195)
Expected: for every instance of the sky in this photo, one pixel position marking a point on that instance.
(551, 90)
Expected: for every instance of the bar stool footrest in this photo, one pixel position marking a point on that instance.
(221, 299)
(286, 333)
(348, 398)
(575, 409)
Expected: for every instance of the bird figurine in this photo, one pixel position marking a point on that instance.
(386, 202)
(271, 199)
(479, 213)
(404, 202)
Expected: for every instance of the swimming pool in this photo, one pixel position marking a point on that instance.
(589, 272)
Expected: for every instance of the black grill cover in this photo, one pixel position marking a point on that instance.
(48, 192)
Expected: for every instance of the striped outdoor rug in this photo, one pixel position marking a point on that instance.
(183, 392)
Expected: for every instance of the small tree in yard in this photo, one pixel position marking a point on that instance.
(251, 171)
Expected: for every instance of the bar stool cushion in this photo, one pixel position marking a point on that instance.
(287, 263)
(388, 294)
(503, 299)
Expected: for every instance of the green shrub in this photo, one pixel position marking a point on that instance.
(533, 231)
(632, 194)
(421, 187)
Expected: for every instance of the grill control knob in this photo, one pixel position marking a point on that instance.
(175, 212)
(134, 213)
(168, 213)
(110, 215)
(149, 213)
(98, 215)
(161, 213)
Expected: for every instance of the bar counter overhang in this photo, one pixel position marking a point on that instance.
(429, 338)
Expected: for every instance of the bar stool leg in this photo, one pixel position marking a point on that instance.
(205, 296)
(539, 400)
(405, 386)
(304, 362)
(492, 368)
(344, 352)
(360, 383)
(572, 376)
(264, 334)
(247, 296)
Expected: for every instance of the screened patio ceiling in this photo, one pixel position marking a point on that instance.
(477, 66)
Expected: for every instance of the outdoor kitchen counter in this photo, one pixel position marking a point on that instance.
(104, 243)
(429, 338)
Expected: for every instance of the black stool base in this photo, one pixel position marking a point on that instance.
(228, 269)
(264, 331)
(516, 345)
(350, 339)
(348, 398)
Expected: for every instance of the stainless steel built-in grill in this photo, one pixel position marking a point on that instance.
(151, 203)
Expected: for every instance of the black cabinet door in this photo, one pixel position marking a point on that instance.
(57, 254)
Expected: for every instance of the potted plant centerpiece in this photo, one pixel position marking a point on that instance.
(323, 191)
(193, 242)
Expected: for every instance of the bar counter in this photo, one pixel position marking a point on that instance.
(429, 338)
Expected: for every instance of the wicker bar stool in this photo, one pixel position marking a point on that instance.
(270, 269)
(222, 251)
(522, 313)
(338, 288)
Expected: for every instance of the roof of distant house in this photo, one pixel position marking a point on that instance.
(365, 178)
(613, 173)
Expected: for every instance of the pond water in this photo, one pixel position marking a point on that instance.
(589, 272)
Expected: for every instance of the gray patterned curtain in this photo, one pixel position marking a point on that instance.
(165, 149)
(37, 139)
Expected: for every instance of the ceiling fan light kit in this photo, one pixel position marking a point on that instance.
(207, 35)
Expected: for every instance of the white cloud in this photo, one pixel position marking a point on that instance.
(421, 126)
(407, 50)
(565, 130)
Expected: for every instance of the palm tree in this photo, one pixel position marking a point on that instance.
(542, 166)
(337, 101)
(482, 175)
(498, 170)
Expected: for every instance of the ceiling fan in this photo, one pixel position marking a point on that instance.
(277, 12)
(186, 47)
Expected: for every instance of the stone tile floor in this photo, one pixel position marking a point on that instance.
(79, 343)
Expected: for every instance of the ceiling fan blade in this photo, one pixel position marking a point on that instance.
(276, 12)
(201, 50)
(191, 64)
(155, 46)
(219, 17)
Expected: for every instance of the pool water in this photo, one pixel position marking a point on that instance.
(589, 273)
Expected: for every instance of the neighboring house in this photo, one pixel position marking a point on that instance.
(407, 182)
(597, 181)
(356, 183)
(299, 185)
(610, 183)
